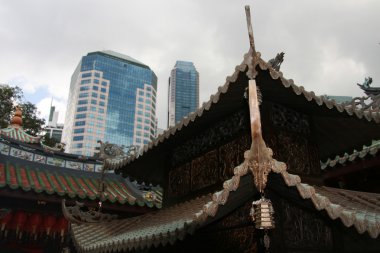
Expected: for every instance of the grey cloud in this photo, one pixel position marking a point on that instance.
(328, 45)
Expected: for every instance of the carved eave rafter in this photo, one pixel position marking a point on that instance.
(75, 214)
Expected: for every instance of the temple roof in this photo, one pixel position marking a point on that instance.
(19, 134)
(357, 209)
(73, 184)
(335, 125)
(371, 150)
(16, 132)
(42, 169)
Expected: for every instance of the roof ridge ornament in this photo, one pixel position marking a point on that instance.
(259, 158)
(252, 72)
(16, 120)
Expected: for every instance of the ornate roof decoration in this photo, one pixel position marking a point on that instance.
(15, 130)
(341, 160)
(371, 101)
(258, 158)
(357, 209)
(72, 184)
(277, 61)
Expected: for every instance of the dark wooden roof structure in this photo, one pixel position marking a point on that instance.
(331, 120)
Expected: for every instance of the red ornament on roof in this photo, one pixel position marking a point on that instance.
(17, 118)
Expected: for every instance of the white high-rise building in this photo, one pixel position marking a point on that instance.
(112, 98)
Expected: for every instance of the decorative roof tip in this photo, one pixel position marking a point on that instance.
(17, 118)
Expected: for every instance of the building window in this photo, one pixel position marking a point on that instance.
(80, 123)
(97, 74)
(84, 88)
(79, 131)
(84, 75)
(93, 101)
(104, 90)
(96, 81)
(93, 108)
(85, 81)
(78, 145)
(95, 87)
(80, 116)
(104, 83)
(78, 138)
(102, 96)
(101, 103)
(82, 109)
(82, 102)
(94, 95)
(83, 95)
(101, 110)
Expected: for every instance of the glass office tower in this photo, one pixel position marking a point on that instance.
(183, 91)
(112, 98)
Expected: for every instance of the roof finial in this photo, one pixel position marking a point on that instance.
(17, 117)
(252, 73)
(250, 30)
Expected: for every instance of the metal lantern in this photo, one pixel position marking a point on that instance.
(262, 213)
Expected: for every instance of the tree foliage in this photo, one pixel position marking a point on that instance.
(9, 98)
(32, 123)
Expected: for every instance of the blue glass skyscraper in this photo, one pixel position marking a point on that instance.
(112, 98)
(183, 91)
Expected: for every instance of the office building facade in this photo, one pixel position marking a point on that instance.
(113, 99)
(183, 91)
(53, 128)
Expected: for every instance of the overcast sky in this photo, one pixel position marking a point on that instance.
(329, 45)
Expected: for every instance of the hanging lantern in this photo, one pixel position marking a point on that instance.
(19, 220)
(262, 214)
(61, 226)
(34, 222)
(5, 222)
(48, 223)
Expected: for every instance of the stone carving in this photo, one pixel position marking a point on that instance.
(366, 84)
(277, 61)
(109, 150)
(371, 101)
